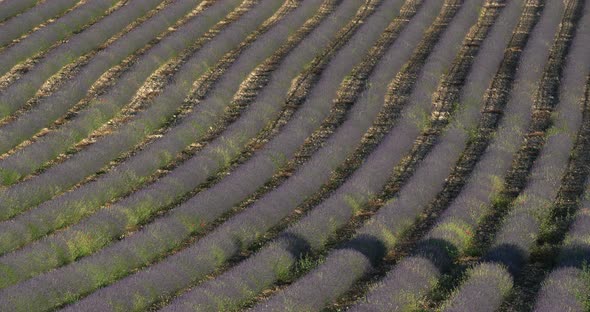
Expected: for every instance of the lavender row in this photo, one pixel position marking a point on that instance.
(10, 8)
(101, 28)
(20, 25)
(566, 287)
(16, 95)
(97, 192)
(140, 205)
(383, 231)
(56, 214)
(452, 234)
(57, 104)
(519, 231)
(191, 214)
(204, 297)
(33, 156)
(348, 4)
(59, 178)
(366, 107)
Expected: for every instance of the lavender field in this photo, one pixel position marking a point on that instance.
(295, 155)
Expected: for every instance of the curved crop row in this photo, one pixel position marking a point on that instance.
(138, 204)
(294, 155)
(521, 226)
(10, 8)
(103, 28)
(57, 104)
(295, 239)
(192, 214)
(161, 109)
(276, 34)
(454, 233)
(383, 230)
(105, 107)
(16, 27)
(193, 173)
(566, 287)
